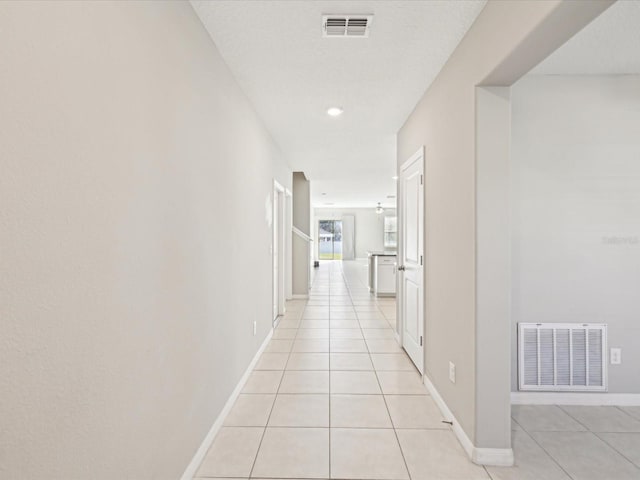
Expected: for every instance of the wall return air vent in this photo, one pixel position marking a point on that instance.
(346, 25)
(564, 357)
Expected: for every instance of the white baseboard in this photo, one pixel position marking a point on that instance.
(193, 466)
(497, 457)
(575, 398)
(300, 296)
(502, 457)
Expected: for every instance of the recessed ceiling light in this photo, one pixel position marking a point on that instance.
(323, 193)
(335, 111)
(395, 177)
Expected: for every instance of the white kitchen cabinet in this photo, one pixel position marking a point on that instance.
(382, 274)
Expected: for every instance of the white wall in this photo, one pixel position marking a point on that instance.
(301, 203)
(369, 226)
(302, 252)
(576, 209)
(134, 179)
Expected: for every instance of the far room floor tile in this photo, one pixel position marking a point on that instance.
(543, 418)
(586, 457)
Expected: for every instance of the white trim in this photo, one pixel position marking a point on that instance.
(279, 245)
(565, 398)
(277, 186)
(301, 234)
(193, 466)
(300, 296)
(287, 192)
(413, 158)
(501, 457)
(498, 457)
(464, 440)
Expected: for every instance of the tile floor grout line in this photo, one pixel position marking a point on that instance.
(487, 472)
(275, 399)
(574, 418)
(395, 433)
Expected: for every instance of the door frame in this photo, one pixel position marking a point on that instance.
(278, 251)
(288, 246)
(420, 153)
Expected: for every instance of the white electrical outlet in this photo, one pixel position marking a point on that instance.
(255, 327)
(616, 356)
(452, 372)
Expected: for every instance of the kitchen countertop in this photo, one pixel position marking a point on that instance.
(382, 254)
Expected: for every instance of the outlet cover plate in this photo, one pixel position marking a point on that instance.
(616, 356)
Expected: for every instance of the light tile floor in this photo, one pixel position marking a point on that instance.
(334, 396)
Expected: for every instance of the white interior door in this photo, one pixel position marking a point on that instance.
(410, 268)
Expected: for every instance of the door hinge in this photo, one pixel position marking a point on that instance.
(420, 340)
(420, 179)
(420, 259)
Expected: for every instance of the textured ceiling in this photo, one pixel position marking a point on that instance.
(608, 45)
(292, 75)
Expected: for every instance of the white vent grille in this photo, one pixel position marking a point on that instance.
(346, 25)
(562, 357)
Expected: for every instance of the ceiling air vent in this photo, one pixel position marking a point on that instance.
(346, 25)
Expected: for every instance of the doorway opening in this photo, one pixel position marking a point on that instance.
(330, 239)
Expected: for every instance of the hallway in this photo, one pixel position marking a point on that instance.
(338, 396)
(335, 396)
(167, 171)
